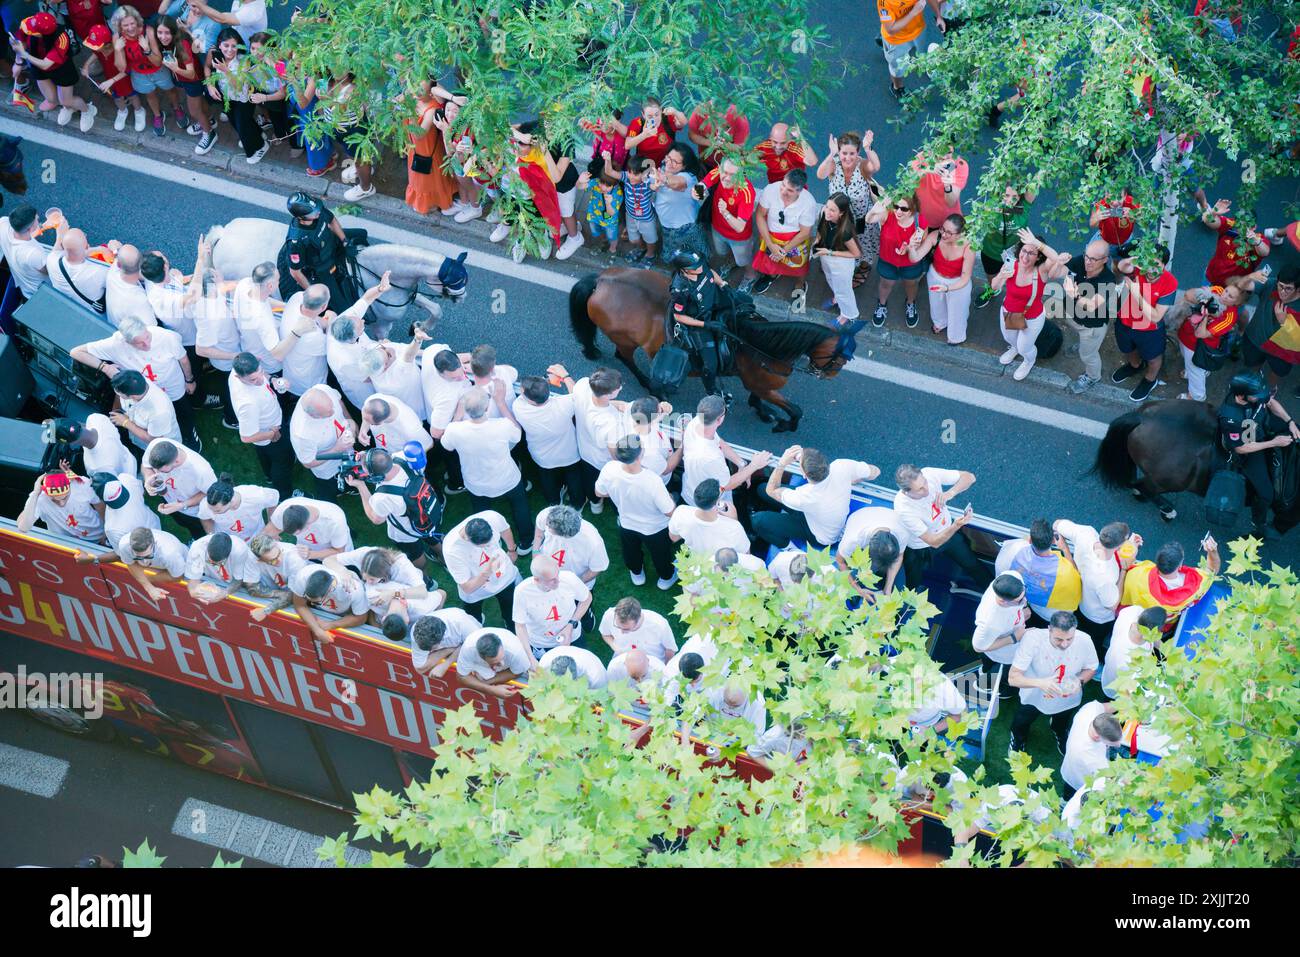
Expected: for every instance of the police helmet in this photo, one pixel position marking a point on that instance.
(1249, 384)
(687, 259)
(301, 205)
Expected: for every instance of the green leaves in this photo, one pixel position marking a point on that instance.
(143, 856)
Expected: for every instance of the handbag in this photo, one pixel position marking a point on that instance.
(1211, 360)
(421, 164)
(1016, 321)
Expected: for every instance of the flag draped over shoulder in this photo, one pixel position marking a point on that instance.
(545, 198)
(1050, 580)
(1144, 587)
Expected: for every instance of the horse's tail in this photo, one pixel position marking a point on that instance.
(1114, 465)
(579, 319)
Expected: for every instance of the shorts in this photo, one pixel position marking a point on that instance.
(609, 230)
(341, 138)
(1252, 356)
(683, 239)
(152, 82)
(742, 250)
(65, 74)
(643, 230)
(420, 548)
(568, 202)
(898, 56)
(192, 89)
(1148, 343)
(887, 270)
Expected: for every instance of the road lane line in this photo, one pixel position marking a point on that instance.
(31, 771)
(274, 202)
(238, 835)
(969, 395)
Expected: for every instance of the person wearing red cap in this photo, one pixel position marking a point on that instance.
(66, 505)
(45, 48)
(85, 15)
(114, 82)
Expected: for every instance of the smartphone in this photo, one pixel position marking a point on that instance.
(1266, 269)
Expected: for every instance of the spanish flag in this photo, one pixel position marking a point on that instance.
(1144, 587)
(1051, 581)
(532, 170)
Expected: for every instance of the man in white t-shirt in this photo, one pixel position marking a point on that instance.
(1000, 623)
(320, 529)
(67, 505)
(1127, 640)
(730, 703)
(644, 508)
(402, 502)
(705, 453)
(445, 381)
(478, 564)
(436, 638)
(702, 527)
(548, 426)
(489, 659)
(483, 445)
(492, 377)
(145, 548)
(306, 322)
(391, 423)
(940, 704)
(1093, 731)
(817, 510)
(393, 371)
(563, 534)
(146, 412)
(259, 332)
(182, 477)
(880, 532)
(549, 607)
(636, 668)
(157, 354)
(22, 250)
(784, 216)
(124, 291)
(922, 507)
(169, 298)
(101, 446)
(659, 452)
(627, 626)
(317, 588)
(574, 663)
(73, 273)
(1103, 564)
(320, 424)
(221, 560)
(1050, 667)
(599, 419)
(277, 563)
(256, 398)
(125, 506)
(347, 344)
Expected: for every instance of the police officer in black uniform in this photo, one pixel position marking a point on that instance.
(696, 298)
(1247, 420)
(316, 250)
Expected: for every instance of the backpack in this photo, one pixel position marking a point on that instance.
(423, 505)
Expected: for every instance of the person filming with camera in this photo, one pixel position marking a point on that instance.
(401, 500)
(1205, 336)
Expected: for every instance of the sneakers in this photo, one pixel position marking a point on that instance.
(349, 173)
(198, 445)
(597, 507)
(1009, 356)
(879, 316)
(1125, 371)
(257, 158)
(638, 578)
(494, 216)
(119, 123)
(569, 247)
(454, 489)
(229, 425)
(912, 315)
(761, 285)
(65, 114)
(499, 232)
(321, 172)
(205, 143)
(88, 117)
(211, 401)
(666, 583)
(1081, 384)
(517, 252)
(453, 209)
(358, 193)
(182, 121)
(1143, 389)
(468, 214)
(194, 130)
(140, 118)
(1022, 370)
(159, 126)
(522, 550)
(263, 121)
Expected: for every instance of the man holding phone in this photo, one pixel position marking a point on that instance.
(922, 507)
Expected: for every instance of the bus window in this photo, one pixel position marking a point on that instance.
(287, 752)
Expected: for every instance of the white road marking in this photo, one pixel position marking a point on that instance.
(1030, 412)
(274, 202)
(31, 771)
(239, 835)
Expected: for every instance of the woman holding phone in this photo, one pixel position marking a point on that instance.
(178, 57)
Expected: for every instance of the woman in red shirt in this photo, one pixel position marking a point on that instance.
(1023, 279)
(136, 50)
(46, 49)
(898, 224)
(1214, 314)
(952, 258)
(114, 82)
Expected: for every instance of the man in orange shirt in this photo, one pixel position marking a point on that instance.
(901, 23)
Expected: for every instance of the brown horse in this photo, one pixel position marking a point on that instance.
(629, 305)
(1171, 443)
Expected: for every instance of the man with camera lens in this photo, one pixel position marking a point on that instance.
(1247, 420)
(401, 500)
(1212, 315)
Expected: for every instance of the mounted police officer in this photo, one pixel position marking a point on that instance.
(698, 300)
(317, 250)
(1248, 419)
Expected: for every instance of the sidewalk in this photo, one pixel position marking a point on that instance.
(282, 173)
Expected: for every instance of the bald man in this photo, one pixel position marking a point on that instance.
(732, 702)
(784, 150)
(1091, 302)
(73, 273)
(124, 294)
(636, 668)
(319, 423)
(549, 607)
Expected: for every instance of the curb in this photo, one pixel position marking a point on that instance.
(274, 174)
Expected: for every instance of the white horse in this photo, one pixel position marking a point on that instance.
(245, 242)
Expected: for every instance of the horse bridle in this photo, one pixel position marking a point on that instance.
(392, 305)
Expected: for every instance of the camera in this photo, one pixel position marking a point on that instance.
(1126, 250)
(359, 468)
(1209, 305)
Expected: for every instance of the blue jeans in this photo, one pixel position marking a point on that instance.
(848, 344)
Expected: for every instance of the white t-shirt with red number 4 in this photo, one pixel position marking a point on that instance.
(1037, 657)
(465, 560)
(545, 614)
(329, 530)
(930, 514)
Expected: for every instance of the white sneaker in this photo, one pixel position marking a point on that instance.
(205, 143)
(494, 216)
(545, 253)
(257, 157)
(454, 208)
(667, 583)
(358, 193)
(88, 117)
(517, 252)
(569, 247)
(468, 213)
(637, 579)
(1022, 370)
(119, 124)
(65, 114)
(499, 233)
(140, 118)
(349, 172)
(194, 130)
(1009, 356)
(598, 506)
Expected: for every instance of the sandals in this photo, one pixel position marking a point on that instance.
(860, 274)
